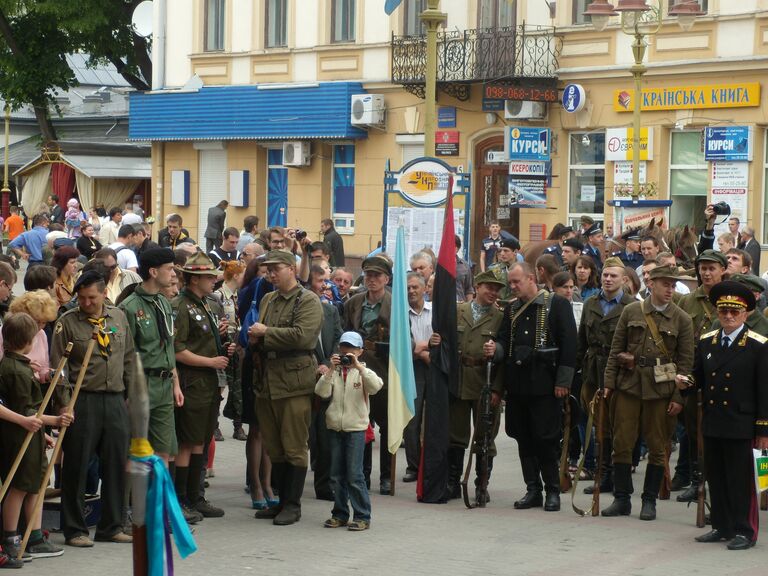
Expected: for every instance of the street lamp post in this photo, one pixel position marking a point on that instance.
(5, 193)
(640, 20)
(432, 19)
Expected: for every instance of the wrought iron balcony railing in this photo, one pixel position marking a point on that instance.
(472, 56)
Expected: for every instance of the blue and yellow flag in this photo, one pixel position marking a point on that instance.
(402, 384)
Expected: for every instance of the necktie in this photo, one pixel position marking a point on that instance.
(726, 341)
(102, 336)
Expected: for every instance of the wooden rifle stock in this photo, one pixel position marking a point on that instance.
(565, 478)
(666, 484)
(701, 497)
(600, 439)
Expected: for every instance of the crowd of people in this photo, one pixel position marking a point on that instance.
(300, 343)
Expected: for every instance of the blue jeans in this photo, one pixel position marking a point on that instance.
(347, 478)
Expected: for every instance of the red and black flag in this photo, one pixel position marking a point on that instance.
(444, 367)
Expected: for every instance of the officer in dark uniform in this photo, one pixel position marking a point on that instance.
(572, 249)
(556, 250)
(593, 248)
(538, 340)
(756, 321)
(729, 369)
(631, 255)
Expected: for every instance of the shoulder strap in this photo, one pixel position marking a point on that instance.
(656, 336)
(522, 309)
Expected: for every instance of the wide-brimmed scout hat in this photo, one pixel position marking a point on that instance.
(199, 263)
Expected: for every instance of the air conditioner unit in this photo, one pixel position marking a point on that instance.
(524, 110)
(296, 153)
(367, 110)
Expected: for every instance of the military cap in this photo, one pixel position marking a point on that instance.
(631, 235)
(155, 257)
(573, 243)
(280, 257)
(712, 256)
(199, 263)
(566, 230)
(86, 279)
(667, 271)
(732, 295)
(613, 261)
(751, 281)
(377, 263)
(594, 229)
(511, 243)
(586, 220)
(488, 277)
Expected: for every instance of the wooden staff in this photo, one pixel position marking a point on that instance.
(40, 412)
(57, 450)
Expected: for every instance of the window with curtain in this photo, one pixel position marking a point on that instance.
(496, 14)
(586, 175)
(412, 11)
(343, 21)
(344, 187)
(276, 20)
(688, 179)
(214, 25)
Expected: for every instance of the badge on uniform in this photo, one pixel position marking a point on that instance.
(140, 314)
(59, 328)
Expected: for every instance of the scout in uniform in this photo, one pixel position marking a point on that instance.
(290, 319)
(538, 340)
(631, 255)
(200, 360)
(506, 256)
(101, 426)
(653, 342)
(478, 322)
(599, 319)
(710, 268)
(729, 369)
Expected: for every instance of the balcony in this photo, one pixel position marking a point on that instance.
(520, 55)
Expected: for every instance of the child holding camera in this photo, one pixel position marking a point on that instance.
(348, 385)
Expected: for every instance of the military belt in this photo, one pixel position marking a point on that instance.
(274, 355)
(648, 361)
(158, 372)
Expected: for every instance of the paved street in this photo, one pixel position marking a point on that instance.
(410, 538)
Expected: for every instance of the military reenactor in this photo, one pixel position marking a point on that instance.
(653, 343)
(730, 367)
(538, 341)
(368, 314)
(478, 322)
(599, 319)
(290, 319)
(593, 247)
(101, 423)
(572, 249)
(755, 321)
(556, 250)
(506, 256)
(200, 360)
(710, 268)
(631, 255)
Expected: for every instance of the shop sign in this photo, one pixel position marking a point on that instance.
(730, 175)
(528, 168)
(447, 143)
(618, 144)
(740, 95)
(425, 182)
(574, 98)
(733, 143)
(446, 117)
(525, 143)
(527, 192)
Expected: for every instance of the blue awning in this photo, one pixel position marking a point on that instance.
(264, 112)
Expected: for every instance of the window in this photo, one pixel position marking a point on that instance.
(704, 4)
(586, 175)
(276, 22)
(413, 25)
(344, 188)
(495, 14)
(579, 6)
(688, 179)
(343, 21)
(214, 25)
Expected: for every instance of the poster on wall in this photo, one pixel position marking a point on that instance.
(730, 182)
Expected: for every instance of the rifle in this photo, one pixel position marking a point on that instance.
(701, 497)
(600, 399)
(484, 424)
(565, 478)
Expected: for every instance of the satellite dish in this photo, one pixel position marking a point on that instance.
(142, 19)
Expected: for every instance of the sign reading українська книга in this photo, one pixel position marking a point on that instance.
(690, 97)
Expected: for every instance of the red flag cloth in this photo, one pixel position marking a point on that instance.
(63, 180)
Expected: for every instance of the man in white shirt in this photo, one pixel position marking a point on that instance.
(108, 234)
(123, 247)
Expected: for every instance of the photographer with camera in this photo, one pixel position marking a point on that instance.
(348, 384)
(711, 212)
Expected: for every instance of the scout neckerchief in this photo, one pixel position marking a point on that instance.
(211, 319)
(102, 336)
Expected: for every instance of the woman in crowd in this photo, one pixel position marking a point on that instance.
(65, 262)
(631, 281)
(563, 285)
(43, 309)
(585, 273)
(87, 244)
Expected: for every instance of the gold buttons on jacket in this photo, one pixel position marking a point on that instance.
(727, 374)
(711, 387)
(726, 388)
(711, 401)
(714, 373)
(725, 402)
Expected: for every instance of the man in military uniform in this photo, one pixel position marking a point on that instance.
(730, 367)
(653, 342)
(506, 256)
(572, 249)
(368, 314)
(478, 323)
(710, 268)
(101, 423)
(538, 341)
(594, 243)
(200, 360)
(599, 319)
(556, 250)
(755, 321)
(631, 255)
(290, 319)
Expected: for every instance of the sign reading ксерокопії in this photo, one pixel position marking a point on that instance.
(690, 97)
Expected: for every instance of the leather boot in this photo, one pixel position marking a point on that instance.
(532, 498)
(455, 470)
(550, 473)
(622, 491)
(278, 485)
(654, 476)
(691, 493)
(294, 485)
(486, 496)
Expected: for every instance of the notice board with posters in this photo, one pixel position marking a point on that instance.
(416, 195)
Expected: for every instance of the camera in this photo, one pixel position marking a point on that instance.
(301, 234)
(721, 209)
(346, 360)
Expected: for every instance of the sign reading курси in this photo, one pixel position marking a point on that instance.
(690, 97)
